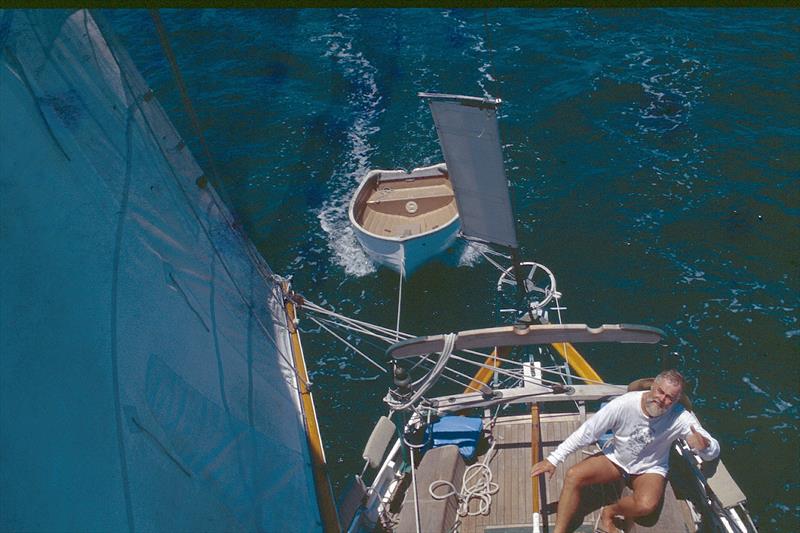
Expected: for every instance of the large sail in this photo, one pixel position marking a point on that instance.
(470, 141)
(146, 382)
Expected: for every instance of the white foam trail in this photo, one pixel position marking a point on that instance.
(365, 100)
(471, 254)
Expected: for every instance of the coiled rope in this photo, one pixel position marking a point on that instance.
(476, 484)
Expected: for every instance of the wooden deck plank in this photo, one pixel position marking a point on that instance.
(525, 496)
(523, 474)
(540, 499)
(526, 507)
(548, 428)
(508, 476)
(554, 484)
(512, 505)
(511, 495)
(518, 428)
(511, 477)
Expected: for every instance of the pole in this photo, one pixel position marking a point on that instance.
(539, 486)
(522, 291)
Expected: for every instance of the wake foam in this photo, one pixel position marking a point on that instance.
(365, 102)
(471, 254)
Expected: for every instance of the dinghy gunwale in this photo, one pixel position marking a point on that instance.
(371, 177)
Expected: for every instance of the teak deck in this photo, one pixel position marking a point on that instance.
(512, 506)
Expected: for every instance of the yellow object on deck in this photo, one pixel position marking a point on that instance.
(577, 362)
(327, 507)
(565, 349)
(483, 375)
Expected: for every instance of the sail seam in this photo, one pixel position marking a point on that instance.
(205, 229)
(114, 324)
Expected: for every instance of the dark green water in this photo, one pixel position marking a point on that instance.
(654, 163)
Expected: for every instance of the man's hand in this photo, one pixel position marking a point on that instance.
(696, 441)
(543, 466)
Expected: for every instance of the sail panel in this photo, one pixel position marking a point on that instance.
(470, 141)
(146, 374)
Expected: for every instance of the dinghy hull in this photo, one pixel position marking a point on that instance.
(406, 256)
(404, 219)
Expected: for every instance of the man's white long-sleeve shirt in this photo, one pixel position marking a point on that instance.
(641, 443)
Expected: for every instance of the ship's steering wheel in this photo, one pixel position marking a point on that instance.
(539, 284)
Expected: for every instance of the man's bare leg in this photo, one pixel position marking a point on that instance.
(594, 470)
(648, 489)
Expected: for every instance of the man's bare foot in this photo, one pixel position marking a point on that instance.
(607, 520)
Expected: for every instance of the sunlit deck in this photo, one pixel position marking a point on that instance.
(512, 506)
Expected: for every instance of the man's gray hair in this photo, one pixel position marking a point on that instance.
(673, 376)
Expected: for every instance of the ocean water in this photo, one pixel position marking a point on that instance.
(654, 166)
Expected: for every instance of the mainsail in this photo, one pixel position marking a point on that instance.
(146, 375)
(468, 134)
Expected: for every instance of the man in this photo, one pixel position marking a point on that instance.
(644, 423)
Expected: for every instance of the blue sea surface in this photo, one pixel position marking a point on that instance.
(654, 167)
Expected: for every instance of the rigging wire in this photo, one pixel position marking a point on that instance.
(388, 336)
(349, 345)
(426, 357)
(360, 329)
(452, 379)
(497, 265)
(422, 359)
(314, 307)
(437, 370)
(366, 338)
(388, 332)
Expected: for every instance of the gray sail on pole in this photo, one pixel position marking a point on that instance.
(468, 134)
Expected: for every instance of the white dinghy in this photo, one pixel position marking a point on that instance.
(402, 219)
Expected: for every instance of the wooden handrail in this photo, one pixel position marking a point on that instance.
(322, 483)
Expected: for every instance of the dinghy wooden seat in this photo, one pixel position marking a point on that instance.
(399, 204)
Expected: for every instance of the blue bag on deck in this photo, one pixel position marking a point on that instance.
(461, 431)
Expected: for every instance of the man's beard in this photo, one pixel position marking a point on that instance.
(653, 409)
